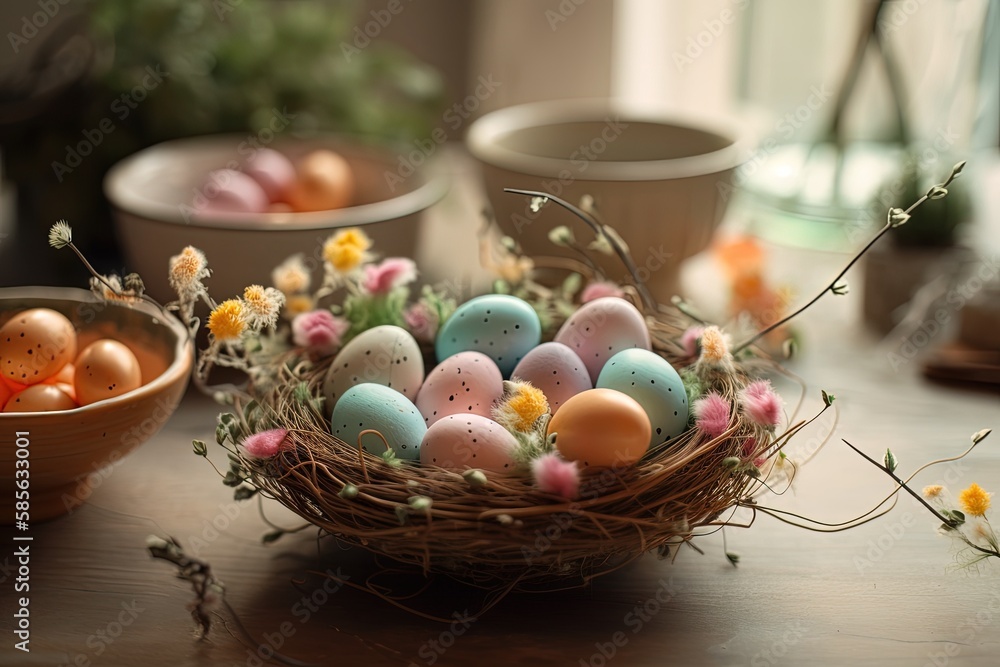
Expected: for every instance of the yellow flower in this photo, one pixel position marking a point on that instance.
(227, 322)
(975, 500)
(346, 249)
(291, 276)
(522, 408)
(933, 491)
(296, 305)
(263, 306)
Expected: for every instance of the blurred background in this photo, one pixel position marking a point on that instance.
(845, 107)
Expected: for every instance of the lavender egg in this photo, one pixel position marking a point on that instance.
(556, 370)
(465, 382)
(462, 441)
(601, 329)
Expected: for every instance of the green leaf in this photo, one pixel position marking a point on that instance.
(420, 503)
(200, 449)
(890, 461)
(937, 192)
(244, 493)
(389, 458)
(272, 537)
(731, 462)
(221, 434)
(302, 393)
(232, 479)
(733, 558)
(828, 399)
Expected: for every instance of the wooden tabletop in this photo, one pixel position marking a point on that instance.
(887, 593)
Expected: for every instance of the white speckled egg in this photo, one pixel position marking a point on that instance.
(501, 326)
(386, 355)
(602, 328)
(655, 385)
(465, 382)
(375, 406)
(556, 370)
(463, 441)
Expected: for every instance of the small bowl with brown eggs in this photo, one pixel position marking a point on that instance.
(82, 383)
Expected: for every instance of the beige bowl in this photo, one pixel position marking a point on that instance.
(663, 182)
(152, 192)
(67, 447)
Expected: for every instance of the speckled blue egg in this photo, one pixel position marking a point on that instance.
(502, 327)
(654, 384)
(375, 406)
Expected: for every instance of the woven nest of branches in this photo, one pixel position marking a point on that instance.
(506, 533)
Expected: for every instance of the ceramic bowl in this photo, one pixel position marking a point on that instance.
(152, 193)
(663, 181)
(68, 447)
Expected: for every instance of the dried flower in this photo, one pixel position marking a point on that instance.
(111, 289)
(521, 407)
(556, 476)
(346, 249)
(291, 276)
(60, 235)
(319, 331)
(297, 304)
(598, 289)
(422, 321)
(933, 491)
(689, 340)
(562, 236)
(263, 305)
(975, 500)
(761, 404)
(187, 270)
(712, 414)
(392, 272)
(265, 444)
(715, 355)
(228, 321)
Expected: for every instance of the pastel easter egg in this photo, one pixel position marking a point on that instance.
(35, 345)
(375, 406)
(501, 326)
(40, 398)
(106, 368)
(655, 385)
(230, 191)
(274, 172)
(462, 441)
(467, 382)
(556, 370)
(324, 180)
(602, 328)
(601, 427)
(386, 355)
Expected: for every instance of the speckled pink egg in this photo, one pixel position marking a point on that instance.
(274, 172)
(230, 191)
(466, 382)
(556, 370)
(602, 328)
(462, 441)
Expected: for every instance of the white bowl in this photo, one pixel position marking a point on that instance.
(152, 192)
(662, 181)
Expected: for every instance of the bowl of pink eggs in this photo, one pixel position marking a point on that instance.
(250, 206)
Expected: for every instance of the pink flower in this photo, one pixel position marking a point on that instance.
(266, 444)
(556, 476)
(595, 290)
(749, 448)
(422, 320)
(712, 414)
(319, 331)
(761, 404)
(689, 340)
(390, 273)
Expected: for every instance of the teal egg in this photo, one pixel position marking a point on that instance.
(375, 406)
(502, 327)
(654, 384)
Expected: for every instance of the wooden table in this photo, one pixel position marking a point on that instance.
(886, 593)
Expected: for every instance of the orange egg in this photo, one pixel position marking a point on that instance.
(64, 376)
(105, 368)
(35, 345)
(5, 393)
(601, 427)
(324, 180)
(40, 398)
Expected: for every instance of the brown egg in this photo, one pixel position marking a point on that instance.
(40, 398)
(5, 393)
(105, 368)
(324, 180)
(35, 345)
(64, 376)
(601, 427)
